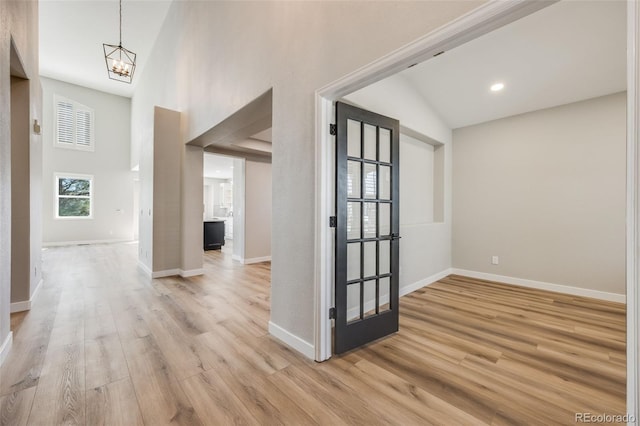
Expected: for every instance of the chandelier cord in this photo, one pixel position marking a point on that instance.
(120, 23)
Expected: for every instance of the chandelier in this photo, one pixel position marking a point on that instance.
(121, 63)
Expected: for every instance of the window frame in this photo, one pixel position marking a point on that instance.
(57, 196)
(76, 107)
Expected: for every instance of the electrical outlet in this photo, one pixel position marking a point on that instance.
(495, 260)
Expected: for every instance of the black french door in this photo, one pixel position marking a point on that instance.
(367, 240)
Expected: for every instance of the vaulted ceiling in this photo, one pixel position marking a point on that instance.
(566, 52)
(72, 33)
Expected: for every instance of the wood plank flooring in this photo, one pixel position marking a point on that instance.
(104, 345)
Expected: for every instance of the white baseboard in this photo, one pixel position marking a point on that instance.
(302, 346)
(559, 288)
(191, 272)
(165, 273)
(20, 306)
(35, 292)
(77, 243)
(255, 260)
(144, 268)
(410, 288)
(404, 290)
(26, 305)
(6, 347)
(169, 272)
(236, 257)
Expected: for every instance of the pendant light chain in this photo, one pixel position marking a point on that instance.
(121, 23)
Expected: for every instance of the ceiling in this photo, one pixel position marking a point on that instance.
(218, 166)
(245, 133)
(221, 166)
(567, 52)
(570, 51)
(72, 33)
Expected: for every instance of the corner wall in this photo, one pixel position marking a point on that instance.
(545, 192)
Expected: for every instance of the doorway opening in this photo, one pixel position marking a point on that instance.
(237, 195)
(482, 21)
(21, 256)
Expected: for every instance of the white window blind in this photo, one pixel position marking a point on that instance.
(74, 125)
(64, 121)
(83, 128)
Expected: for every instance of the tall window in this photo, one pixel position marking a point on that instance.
(74, 194)
(74, 125)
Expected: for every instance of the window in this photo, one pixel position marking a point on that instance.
(74, 194)
(74, 125)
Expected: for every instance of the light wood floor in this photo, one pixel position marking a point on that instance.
(105, 345)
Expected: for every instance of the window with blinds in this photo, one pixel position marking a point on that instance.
(74, 125)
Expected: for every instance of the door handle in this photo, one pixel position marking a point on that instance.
(395, 237)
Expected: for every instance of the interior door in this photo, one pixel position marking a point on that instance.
(367, 216)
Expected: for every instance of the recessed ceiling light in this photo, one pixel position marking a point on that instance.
(497, 87)
(217, 171)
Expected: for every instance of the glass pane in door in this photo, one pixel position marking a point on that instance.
(354, 226)
(353, 179)
(370, 144)
(353, 302)
(385, 145)
(385, 183)
(369, 298)
(370, 181)
(370, 259)
(354, 141)
(385, 257)
(385, 219)
(369, 217)
(385, 294)
(353, 261)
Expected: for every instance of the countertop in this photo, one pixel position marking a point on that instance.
(216, 219)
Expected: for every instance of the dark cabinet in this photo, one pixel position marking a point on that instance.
(213, 235)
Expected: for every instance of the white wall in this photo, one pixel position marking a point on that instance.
(108, 163)
(257, 231)
(425, 247)
(219, 65)
(544, 191)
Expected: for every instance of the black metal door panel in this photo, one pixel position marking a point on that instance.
(367, 210)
